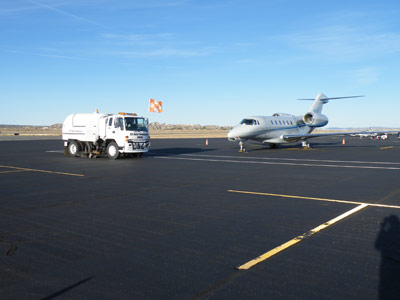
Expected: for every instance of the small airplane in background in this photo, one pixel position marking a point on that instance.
(367, 134)
(373, 135)
(282, 128)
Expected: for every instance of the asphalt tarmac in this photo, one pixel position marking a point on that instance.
(186, 221)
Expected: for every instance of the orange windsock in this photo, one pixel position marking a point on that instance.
(155, 106)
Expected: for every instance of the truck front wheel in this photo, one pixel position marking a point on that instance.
(112, 150)
(73, 149)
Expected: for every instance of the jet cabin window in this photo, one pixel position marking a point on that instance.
(250, 122)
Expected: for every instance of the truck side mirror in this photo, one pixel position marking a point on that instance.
(147, 122)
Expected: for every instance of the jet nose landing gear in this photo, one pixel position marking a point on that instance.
(305, 144)
(242, 148)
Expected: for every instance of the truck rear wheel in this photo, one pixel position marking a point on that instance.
(73, 149)
(112, 150)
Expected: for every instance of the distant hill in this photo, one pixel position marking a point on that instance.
(31, 127)
(358, 128)
(163, 126)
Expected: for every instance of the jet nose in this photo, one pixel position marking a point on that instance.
(233, 134)
(230, 136)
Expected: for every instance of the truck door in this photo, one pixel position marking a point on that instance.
(115, 129)
(110, 130)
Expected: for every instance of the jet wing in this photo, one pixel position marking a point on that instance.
(296, 137)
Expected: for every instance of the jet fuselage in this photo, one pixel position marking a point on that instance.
(269, 129)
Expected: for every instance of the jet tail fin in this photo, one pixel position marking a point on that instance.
(321, 99)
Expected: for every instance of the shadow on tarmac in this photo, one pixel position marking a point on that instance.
(261, 147)
(315, 146)
(388, 243)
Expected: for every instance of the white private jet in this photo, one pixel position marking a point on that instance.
(282, 128)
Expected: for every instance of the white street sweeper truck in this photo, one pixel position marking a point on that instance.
(98, 134)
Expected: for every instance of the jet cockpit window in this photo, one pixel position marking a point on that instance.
(249, 122)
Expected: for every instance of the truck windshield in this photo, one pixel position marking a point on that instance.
(135, 124)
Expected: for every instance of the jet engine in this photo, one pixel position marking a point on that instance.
(314, 119)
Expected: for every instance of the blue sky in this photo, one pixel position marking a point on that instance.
(210, 62)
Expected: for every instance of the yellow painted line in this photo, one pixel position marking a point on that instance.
(16, 171)
(389, 147)
(315, 199)
(298, 239)
(42, 171)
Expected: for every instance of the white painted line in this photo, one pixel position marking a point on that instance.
(55, 151)
(296, 159)
(315, 199)
(279, 163)
(298, 239)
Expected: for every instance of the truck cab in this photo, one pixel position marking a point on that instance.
(129, 132)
